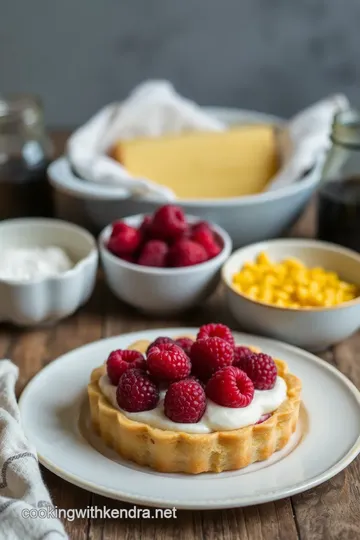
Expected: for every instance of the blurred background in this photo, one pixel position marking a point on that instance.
(275, 57)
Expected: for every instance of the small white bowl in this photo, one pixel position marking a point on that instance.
(162, 290)
(314, 328)
(45, 300)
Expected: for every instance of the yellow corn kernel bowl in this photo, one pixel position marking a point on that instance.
(290, 283)
(304, 292)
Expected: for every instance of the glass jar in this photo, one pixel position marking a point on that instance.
(339, 191)
(25, 152)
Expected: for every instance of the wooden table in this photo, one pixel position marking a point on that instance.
(331, 511)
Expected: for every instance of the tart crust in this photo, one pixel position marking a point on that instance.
(173, 451)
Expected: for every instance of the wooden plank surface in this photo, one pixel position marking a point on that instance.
(330, 511)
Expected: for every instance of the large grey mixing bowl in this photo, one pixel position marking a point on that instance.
(247, 219)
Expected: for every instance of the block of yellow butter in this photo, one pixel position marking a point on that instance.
(209, 165)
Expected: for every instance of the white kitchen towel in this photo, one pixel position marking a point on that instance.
(154, 109)
(306, 140)
(22, 490)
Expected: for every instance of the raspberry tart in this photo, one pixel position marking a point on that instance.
(194, 404)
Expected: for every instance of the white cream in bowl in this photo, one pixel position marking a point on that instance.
(26, 263)
(47, 270)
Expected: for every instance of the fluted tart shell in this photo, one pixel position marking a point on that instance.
(179, 452)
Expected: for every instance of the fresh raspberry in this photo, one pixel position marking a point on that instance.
(200, 226)
(154, 253)
(186, 253)
(168, 362)
(145, 227)
(206, 239)
(193, 378)
(121, 360)
(158, 342)
(213, 250)
(185, 343)
(263, 418)
(209, 355)
(261, 369)
(216, 330)
(124, 239)
(185, 401)
(240, 354)
(230, 387)
(168, 222)
(136, 392)
(128, 258)
(117, 227)
(186, 235)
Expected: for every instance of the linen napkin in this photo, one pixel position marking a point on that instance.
(154, 108)
(21, 486)
(306, 139)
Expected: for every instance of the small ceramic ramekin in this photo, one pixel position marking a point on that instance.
(162, 290)
(46, 300)
(312, 328)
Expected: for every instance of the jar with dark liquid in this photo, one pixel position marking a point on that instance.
(339, 192)
(25, 152)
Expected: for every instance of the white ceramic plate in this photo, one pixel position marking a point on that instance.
(327, 439)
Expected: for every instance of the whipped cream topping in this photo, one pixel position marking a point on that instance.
(24, 264)
(216, 417)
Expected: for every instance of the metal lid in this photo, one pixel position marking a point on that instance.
(346, 128)
(26, 107)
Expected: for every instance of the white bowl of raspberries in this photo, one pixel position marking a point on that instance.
(163, 263)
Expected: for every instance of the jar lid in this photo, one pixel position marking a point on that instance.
(24, 107)
(346, 128)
